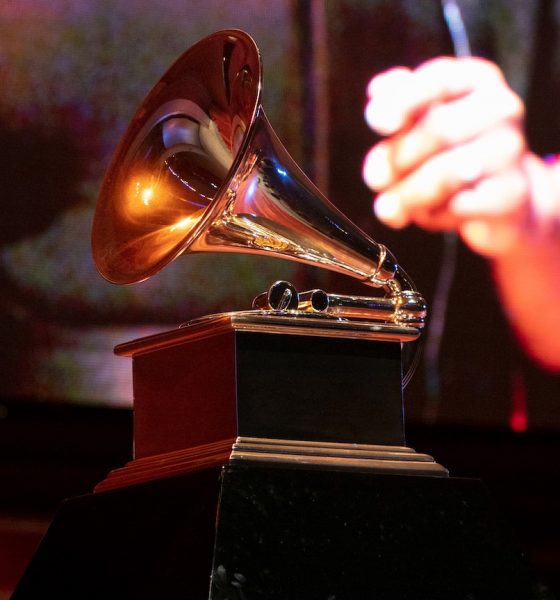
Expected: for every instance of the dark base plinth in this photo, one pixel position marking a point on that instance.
(150, 541)
(329, 535)
(282, 534)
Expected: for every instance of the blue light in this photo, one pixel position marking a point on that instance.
(252, 189)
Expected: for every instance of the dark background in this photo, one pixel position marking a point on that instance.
(72, 74)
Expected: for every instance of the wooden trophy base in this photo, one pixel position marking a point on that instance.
(261, 387)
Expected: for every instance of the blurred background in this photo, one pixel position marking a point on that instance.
(72, 73)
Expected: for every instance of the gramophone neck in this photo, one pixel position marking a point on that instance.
(409, 305)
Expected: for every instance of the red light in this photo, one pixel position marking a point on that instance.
(519, 416)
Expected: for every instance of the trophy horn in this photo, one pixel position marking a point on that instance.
(201, 169)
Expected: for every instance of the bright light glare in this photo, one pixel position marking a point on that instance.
(142, 196)
(185, 223)
(146, 194)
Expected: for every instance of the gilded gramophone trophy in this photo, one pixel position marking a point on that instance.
(269, 451)
(200, 169)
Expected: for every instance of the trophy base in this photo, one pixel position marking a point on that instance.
(281, 533)
(316, 498)
(274, 377)
(279, 388)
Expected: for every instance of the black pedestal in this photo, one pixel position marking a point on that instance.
(331, 535)
(151, 541)
(282, 534)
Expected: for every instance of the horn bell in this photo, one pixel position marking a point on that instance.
(201, 169)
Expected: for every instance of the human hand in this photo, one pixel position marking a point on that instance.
(455, 156)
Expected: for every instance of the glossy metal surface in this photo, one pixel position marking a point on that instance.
(362, 457)
(310, 324)
(200, 169)
(281, 295)
(169, 176)
(408, 308)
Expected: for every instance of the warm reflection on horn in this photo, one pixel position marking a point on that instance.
(201, 169)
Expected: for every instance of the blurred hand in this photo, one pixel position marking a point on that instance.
(455, 156)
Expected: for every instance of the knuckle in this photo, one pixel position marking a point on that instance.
(438, 65)
(516, 141)
(384, 80)
(441, 125)
(509, 143)
(484, 68)
(428, 186)
(520, 189)
(513, 104)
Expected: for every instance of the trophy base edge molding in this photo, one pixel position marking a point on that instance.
(399, 460)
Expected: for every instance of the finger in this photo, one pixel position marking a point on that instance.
(389, 210)
(377, 170)
(387, 106)
(387, 80)
(494, 212)
(488, 238)
(392, 213)
(398, 96)
(443, 78)
(438, 219)
(491, 215)
(443, 126)
(444, 175)
(500, 197)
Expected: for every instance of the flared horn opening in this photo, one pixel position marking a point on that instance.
(169, 176)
